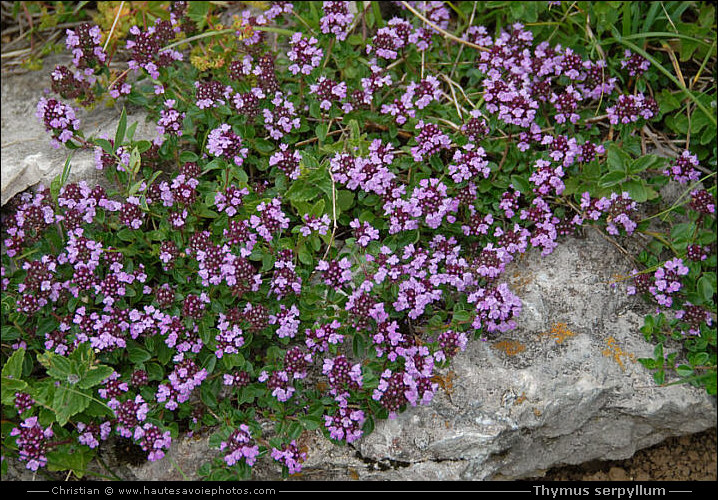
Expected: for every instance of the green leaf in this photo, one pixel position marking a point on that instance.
(95, 376)
(321, 132)
(345, 200)
(644, 162)
(105, 145)
(13, 366)
(699, 359)
(649, 363)
(462, 316)
(55, 186)
(9, 387)
(521, 184)
(11, 377)
(197, 12)
(208, 394)
(683, 232)
(68, 402)
(684, 370)
(612, 178)
(188, 156)
(310, 422)
(616, 159)
(69, 458)
(637, 190)
(358, 344)
(135, 161)
(264, 146)
(121, 128)
(138, 355)
(706, 288)
(305, 256)
(58, 367)
(154, 371)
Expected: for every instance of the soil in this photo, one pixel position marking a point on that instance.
(685, 458)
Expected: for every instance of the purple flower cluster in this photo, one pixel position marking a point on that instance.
(618, 207)
(290, 455)
(314, 224)
(667, 281)
(129, 414)
(328, 91)
(230, 200)
(182, 381)
(278, 383)
(147, 48)
(319, 337)
(223, 142)
(399, 388)
(270, 220)
(335, 273)
(548, 180)
(287, 161)
(84, 43)
(288, 320)
(346, 423)
(469, 164)
(496, 308)
(341, 374)
(634, 64)
(416, 97)
(429, 200)
(684, 168)
(240, 446)
(304, 54)
(285, 279)
(631, 108)
(694, 316)
(282, 119)
(152, 440)
(91, 434)
(430, 140)
(475, 127)
(31, 441)
(450, 344)
(170, 122)
(72, 86)
(211, 94)
(59, 119)
(336, 19)
(23, 402)
(230, 337)
(248, 103)
(370, 174)
(364, 232)
(702, 202)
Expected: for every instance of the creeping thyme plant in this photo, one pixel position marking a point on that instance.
(324, 217)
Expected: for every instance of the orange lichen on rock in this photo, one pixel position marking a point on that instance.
(560, 332)
(446, 382)
(618, 354)
(510, 347)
